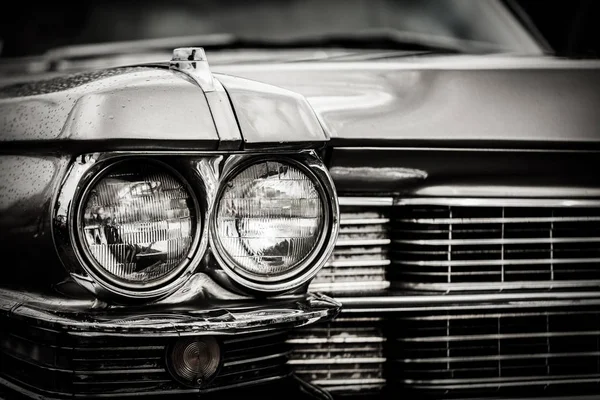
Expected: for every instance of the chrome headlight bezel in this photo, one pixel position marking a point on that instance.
(94, 268)
(205, 174)
(315, 170)
(83, 176)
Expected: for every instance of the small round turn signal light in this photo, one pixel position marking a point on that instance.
(194, 361)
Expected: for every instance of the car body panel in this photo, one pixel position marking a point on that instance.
(443, 98)
(151, 106)
(123, 103)
(271, 115)
(28, 185)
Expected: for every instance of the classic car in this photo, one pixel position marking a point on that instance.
(386, 199)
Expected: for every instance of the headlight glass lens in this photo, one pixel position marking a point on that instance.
(138, 222)
(269, 219)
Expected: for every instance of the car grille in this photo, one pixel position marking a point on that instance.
(55, 364)
(530, 352)
(346, 355)
(463, 248)
(495, 248)
(466, 248)
(361, 254)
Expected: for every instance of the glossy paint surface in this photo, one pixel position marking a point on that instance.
(123, 103)
(469, 98)
(27, 187)
(271, 116)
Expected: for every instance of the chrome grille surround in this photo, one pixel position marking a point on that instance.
(495, 244)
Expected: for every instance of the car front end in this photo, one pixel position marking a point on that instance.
(382, 200)
(151, 251)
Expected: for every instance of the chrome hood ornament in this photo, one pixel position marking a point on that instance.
(192, 62)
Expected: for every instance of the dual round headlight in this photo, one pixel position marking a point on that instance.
(139, 225)
(139, 222)
(270, 223)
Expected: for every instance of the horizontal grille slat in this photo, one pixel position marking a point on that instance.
(453, 263)
(480, 242)
(460, 221)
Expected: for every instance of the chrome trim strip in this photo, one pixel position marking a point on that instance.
(256, 359)
(192, 62)
(251, 382)
(362, 242)
(500, 314)
(352, 381)
(366, 201)
(496, 382)
(360, 368)
(338, 287)
(471, 298)
(449, 287)
(364, 221)
(123, 371)
(354, 388)
(358, 319)
(472, 358)
(338, 340)
(460, 338)
(472, 242)
(496, 202)
(135, 349)
(224, 117)
(423, 300)
(331, 271)
(467, 149)
(326, 361)
(501, 191)
(453, 263)
(358, 263)
(518, 220)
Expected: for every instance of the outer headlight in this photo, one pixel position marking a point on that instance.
(271, 222)
(137, 226)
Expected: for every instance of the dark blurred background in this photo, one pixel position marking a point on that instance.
(569, 26)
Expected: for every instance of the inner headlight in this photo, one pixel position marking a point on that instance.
(138, 225)
(270, 222)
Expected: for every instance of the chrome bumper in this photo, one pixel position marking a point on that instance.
(218, 318)
(57, 348)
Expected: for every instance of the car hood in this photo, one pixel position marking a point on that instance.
(445, 98)
(155, 106)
